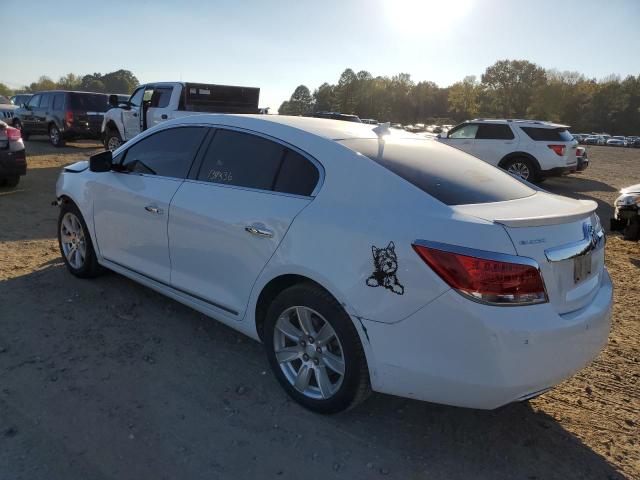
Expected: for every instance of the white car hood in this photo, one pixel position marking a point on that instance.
(539, 209)
(631, 189)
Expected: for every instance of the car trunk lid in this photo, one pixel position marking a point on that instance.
(566, 242)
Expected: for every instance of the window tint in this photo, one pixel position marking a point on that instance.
(89, 102)
(297, 175)
(168, 153)
(136, 98)
(548, 134)
(449, 175)
(494, 131)
(35, 101)
(241, 159)
(58, 101)
(161, 97)
(45, 101)
(466, 131)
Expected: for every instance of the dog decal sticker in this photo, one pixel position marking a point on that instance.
(385, 264)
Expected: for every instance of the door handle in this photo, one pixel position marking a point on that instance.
(153, 209)
(258, 231)
(164, 116)
(135, 114)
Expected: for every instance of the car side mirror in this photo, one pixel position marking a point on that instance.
(113, 101)
(101, 162)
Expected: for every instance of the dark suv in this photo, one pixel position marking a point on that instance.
(62, 115)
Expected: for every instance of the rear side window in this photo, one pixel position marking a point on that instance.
(58, 101)
(168, 153)
(447, 174)
(297, 175)
(241, 159)
(161, 97)
(548, 134)
(494, 131)
(89, 102)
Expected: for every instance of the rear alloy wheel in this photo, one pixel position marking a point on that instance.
(10, 182)
(315, 351)
(75, 243)
(632, 231)
(55, 136)
(521, 167)
(113, 140)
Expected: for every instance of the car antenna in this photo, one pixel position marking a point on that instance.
(382, 130)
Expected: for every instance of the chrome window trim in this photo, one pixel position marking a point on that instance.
(592, 241)
(313, 160)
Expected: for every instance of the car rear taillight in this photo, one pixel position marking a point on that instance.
(580, 152)
(69, 117)
(13, 133)
(559, 149)
(486, 280)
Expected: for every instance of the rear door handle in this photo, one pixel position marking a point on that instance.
(153, 209)
(259, 231)
(164, 116)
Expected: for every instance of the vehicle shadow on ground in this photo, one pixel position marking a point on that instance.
(38, 145)
(107, 378)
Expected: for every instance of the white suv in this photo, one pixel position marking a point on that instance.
(530, 149)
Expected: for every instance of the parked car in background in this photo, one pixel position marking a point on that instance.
(20, 99)
(62, 115)
(483, 292)
(530, 149)
(7, 110)
(617, 141)
(369, 121)
(582, 158)
(626, 217)
(635, 143)
(595, 140)
(154, 103)
(336, 116)
(13, 161)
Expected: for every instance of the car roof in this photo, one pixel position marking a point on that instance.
(520, 122)
(322, 127)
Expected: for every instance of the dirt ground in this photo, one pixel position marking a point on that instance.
(106, 379)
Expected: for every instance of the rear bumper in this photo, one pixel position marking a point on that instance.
(457, 352)
(583, 164)
(82, 130)
(558, 171)
(13, 164)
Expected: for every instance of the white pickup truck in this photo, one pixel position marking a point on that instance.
(154, 103)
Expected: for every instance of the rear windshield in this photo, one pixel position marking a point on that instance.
(548, 134)
(445, 173)
(89, 102)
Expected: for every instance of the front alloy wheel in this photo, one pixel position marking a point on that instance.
(75, 242)
(315, 350)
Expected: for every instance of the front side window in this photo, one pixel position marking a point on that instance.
(241, 159)
(465, 132)
(45, 101)
(168, 153)
(35, 101)
(136, 98)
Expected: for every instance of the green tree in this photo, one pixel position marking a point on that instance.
(324, 98)
(463, 99)
(300, 103)
(6, 91)
(509, 86)
(346, 92)
(120, 81)
(93, 83)
(69, 81)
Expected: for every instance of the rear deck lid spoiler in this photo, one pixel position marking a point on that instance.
(537, 210)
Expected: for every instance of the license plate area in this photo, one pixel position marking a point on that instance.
(581, 267)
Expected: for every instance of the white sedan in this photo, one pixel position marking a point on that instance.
(363, 258)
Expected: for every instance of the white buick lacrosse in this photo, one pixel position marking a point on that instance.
(363, 259)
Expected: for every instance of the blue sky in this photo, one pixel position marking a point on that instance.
(277, 45)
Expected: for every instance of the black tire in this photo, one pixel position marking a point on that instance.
(632, 230)
(90, 268)
(55, 136)
(112, 138)
(355, 386)
(10, 182)
(522, 164)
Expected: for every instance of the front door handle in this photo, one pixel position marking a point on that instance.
(153, 209)
(259, 231)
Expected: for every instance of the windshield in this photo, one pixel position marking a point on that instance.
(445, 173)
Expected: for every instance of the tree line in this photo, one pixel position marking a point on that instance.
(120, 81)
(507, 89)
